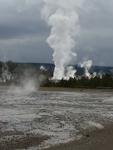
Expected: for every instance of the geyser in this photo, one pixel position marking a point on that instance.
(87, 65)
(63, 18)
(70, 73)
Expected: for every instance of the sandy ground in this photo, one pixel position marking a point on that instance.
(96, 140)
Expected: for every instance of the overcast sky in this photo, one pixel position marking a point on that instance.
(23, 33)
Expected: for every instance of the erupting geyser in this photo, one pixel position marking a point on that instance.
(63, 18)
(87, 65)
(70, 73)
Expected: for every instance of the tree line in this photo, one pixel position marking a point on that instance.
(19, 70)
(105, 82)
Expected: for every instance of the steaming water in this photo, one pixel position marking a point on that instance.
(60, 115)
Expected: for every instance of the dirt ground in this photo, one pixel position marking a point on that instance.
(96, 140)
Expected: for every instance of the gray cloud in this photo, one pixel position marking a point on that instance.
(23, 33)
(96, 36)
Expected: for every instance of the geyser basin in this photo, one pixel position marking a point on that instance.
(59, 115)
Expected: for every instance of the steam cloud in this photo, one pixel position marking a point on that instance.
(42, 68)
(63, 18)
(70, 73)
(87, 65)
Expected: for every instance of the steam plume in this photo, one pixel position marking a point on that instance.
(70, 73)
(62, 17)
(87, 65)
(42, 68)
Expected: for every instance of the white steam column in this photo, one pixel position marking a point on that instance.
(87, 65)
(62, 17)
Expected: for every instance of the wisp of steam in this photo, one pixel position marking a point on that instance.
(63, 18)
(26, 87)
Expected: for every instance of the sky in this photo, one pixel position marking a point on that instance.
(23, 32)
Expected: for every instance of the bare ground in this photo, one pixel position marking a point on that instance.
(18, 140)
(96, 140)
